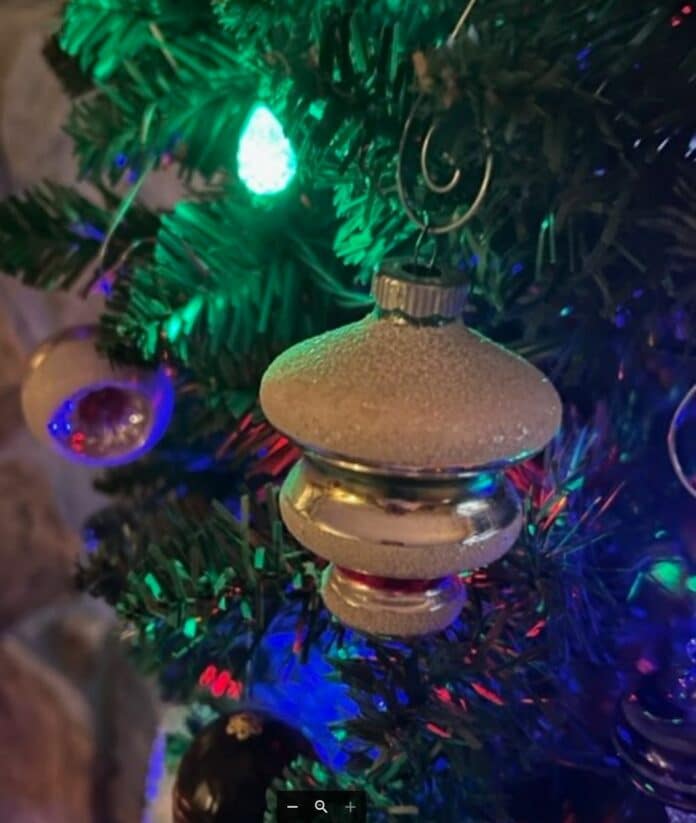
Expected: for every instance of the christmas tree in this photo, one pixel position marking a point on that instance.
(540, 154)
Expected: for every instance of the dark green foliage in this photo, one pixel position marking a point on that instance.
(223, 278)
(73, 80)
(50, 235)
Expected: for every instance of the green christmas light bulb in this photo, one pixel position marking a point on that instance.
(266, 160)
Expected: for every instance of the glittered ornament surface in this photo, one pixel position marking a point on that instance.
(224, 775)
(90, 411)
(414, 395)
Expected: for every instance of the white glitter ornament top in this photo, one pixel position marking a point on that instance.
(411, 387)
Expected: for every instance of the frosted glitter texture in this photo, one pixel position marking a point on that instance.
(384, 391)
(369, 611)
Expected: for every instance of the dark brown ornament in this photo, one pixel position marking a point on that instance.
(224, 776)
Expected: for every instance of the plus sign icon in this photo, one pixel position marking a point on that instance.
(321, 807)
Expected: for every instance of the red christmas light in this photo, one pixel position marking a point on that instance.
(220, 683)
(208, 676)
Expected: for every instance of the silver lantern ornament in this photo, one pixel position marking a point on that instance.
(88, 410)
(407, 419)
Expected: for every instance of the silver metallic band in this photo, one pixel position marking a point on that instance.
(419, 299)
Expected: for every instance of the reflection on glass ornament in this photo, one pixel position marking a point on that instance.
(266, 160)
(407, 419)
(230, 765)
(655, 735)
(88, 410)
(681, 441)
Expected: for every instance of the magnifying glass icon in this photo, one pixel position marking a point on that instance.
(320, 806)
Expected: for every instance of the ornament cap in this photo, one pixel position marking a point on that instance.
(417, 292)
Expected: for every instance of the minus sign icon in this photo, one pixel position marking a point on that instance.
(293, 807)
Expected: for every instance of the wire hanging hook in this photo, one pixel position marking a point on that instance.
(457, 222)
(672, 442)
(456, 31)
(421, 237)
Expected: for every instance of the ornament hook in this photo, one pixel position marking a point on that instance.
(425, 224)
(421, 237)
(672, 442)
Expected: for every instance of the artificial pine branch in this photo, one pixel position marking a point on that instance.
(51, 234)
(588, 108)
(217, 291)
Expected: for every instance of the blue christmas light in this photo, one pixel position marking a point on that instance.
(281, 683)
(266, 160)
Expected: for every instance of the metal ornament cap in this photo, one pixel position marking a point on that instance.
(382, 612)
(64, 391)
(402, 528)
(399, 288)
(405, 392)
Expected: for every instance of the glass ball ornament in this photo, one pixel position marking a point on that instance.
(655, 734)
(232, 762)
(407, 419)
(88, 410)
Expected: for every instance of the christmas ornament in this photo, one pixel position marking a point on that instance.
(266, 161)
(655, 735)
(89, 411)
(407, 419)
(231, 763)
